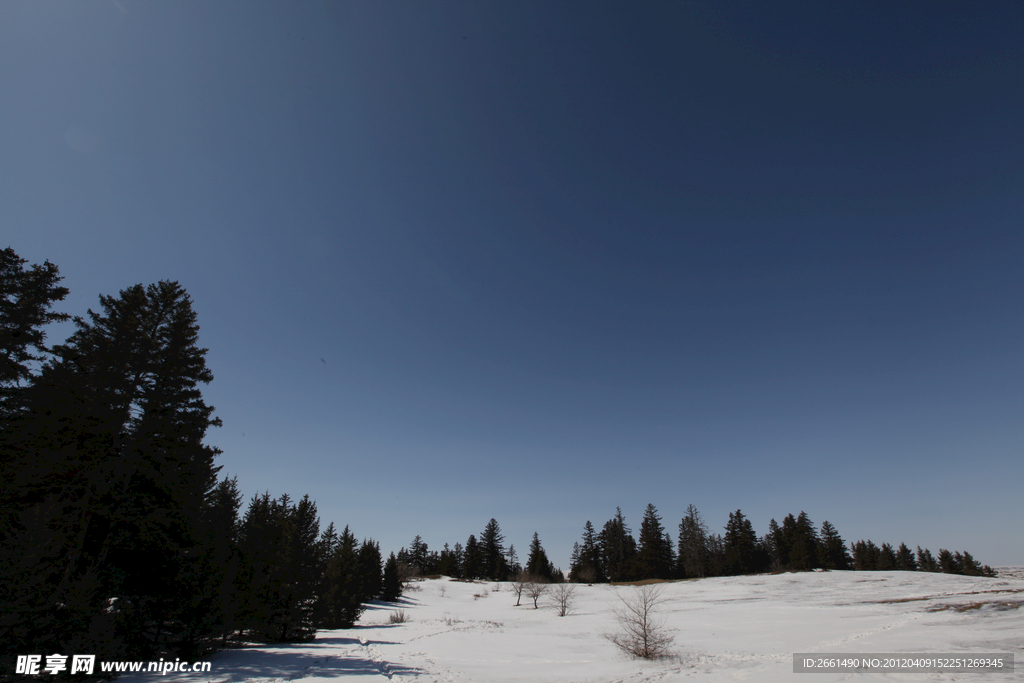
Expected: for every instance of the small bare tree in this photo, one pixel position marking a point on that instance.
(643, 635)
(564, 595)
(519, 585)
(535, 588)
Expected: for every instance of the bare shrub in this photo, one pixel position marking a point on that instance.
(407, 572)
(398, 617)
(519, 585)
(564, 595)
(642, 634)
(535, 588)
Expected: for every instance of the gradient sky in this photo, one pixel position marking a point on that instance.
(533, 261)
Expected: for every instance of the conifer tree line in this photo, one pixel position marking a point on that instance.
(613, 555)
(116, 536)
(485, 558)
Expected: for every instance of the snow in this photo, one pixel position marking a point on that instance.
(726, 629)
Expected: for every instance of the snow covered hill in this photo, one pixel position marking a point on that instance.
(726, 629)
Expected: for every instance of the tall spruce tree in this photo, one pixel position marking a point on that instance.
(472, 559)
(492, 553)
(654, 556)
(740, 545)
(537, 564)
(693, 540)
(391, 585)
(905, 559)
(803, 542)
(114, 471)
(588, 566)
(27, 296)
(618, 549)
(832, 553)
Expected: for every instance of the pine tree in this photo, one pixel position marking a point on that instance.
(693, 541)
(802, 541)
(905, 559)
(886, 558)
(368, 571)
(537, 564)
(653, 557)
(418, 556)
(27, 296)
(109, 448)
(969, 566)
(948, 563)
(740, 544)
(391, 589)
(513, 562)
(215, 600)
(618, 549)
(925, 561)
(832, 553)
(472, 559)
(776, 545)
(492, 553)
(716, 555)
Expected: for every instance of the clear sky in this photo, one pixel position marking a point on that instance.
(533, 261)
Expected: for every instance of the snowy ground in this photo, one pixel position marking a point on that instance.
(726, 629)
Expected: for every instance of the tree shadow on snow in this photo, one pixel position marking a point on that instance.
(380, 604)
(340, 657)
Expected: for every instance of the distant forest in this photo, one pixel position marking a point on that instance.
(119, 537)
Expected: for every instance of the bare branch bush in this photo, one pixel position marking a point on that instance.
(406, 574)
(519, 585)
(564, 595)
(399, 617)
(642, 633)
(535, 588)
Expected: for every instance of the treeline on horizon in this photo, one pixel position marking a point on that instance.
(613, 555)
(119, 537)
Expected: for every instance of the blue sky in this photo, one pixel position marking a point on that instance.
(533, 261)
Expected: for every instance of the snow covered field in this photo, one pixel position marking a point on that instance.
(726, 629)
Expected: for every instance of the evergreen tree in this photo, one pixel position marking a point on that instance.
(215, 600)
(111, 466)
(574, 563)
(716, 555)
(492, 553)
(925, 561)
(969, 566)
(832, 553)
(905, 559)
(654, 559)
(27, 296)
(417, 556)
(948, 563)
(513, 562)
(537, 564)
(458, 557)
(618, 549)
(740, 544)
(775, 543)
(472, 559)
(368, 571)
(886, 558)
(803, 553)
(693, 541)
(392, 586)
(346, 581)
(447, 564)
